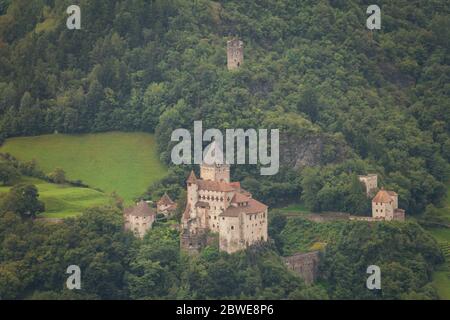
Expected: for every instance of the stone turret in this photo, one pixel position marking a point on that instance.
(235, 54)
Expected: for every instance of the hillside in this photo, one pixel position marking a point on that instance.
(376, 101)
(126, 163)
(102, 103)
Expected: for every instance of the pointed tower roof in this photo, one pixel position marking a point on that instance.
(213, 154)
(192, 178)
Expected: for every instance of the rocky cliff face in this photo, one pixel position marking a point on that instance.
(312, 150)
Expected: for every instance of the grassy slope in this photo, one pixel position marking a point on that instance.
(115, 161)
(63, 201)
(295, 208)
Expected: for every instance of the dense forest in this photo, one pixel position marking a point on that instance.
(116, 265)
(361, 101)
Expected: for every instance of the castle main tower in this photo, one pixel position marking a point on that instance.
(235, 54)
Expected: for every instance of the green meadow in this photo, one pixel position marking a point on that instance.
(126, 163)
(62, 200)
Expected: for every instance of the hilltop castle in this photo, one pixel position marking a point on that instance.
(214, 204)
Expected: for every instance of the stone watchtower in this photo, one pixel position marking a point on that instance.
(371, 183)
(235, 54)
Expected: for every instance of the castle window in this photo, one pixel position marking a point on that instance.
(232, 227)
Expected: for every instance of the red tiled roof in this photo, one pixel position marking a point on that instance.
(214, 186)
(142, 209)
(382, 196)
(239, 198)
(253, 206)
(236, 184)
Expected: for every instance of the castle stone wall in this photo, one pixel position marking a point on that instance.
(305, 264)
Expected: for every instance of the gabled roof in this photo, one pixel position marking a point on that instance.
(141, 209)
(165, 200)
